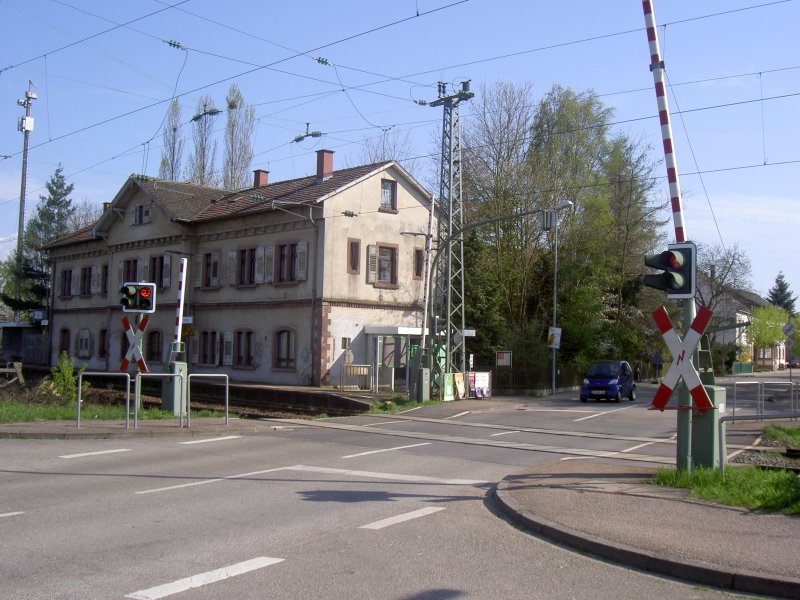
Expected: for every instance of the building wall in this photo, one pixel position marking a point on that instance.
(307, 313)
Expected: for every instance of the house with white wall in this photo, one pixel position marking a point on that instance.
(286, 281)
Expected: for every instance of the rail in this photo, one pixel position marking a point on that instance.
(189, 395)
(104, 374)
(727, 418)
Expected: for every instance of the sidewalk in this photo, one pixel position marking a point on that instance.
(611, 511)
(602, 508)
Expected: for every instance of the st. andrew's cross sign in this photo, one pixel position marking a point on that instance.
(681, 364)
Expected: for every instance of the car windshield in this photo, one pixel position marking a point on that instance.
(603, 370)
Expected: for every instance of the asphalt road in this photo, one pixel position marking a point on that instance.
(359, 507)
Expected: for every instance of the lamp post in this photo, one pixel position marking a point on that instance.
(559, 206)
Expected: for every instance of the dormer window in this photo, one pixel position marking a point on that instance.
(141, 214)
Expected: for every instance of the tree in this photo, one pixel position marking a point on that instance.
(26, 278)
(85, 213)
(766, 328)
(200, 169)
(172, 154)
(239, 129)
(781, 295)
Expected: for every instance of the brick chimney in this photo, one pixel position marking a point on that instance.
(324, 165)
(260, 178)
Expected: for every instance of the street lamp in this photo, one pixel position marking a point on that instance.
(559, 206)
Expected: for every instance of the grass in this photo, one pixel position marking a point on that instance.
(748, 487)
(27, 411)
(396, 404)
(790, 436)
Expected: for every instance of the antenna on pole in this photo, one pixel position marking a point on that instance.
(25, 125)
(448, 349)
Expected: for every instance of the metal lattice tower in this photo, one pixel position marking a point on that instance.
(447, 343)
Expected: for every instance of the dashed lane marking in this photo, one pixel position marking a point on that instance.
(386, 450)
(201, 579)
(12, 514)
(94, 453)
(600, 414)
(403, 518)
(214, 439)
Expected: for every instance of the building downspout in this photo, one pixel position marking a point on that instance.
(316, 328)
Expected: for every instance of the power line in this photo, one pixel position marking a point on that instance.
(94, 35)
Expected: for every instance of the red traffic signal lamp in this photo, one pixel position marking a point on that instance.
(138, 297)
(679, 266)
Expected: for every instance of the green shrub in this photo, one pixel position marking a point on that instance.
(63, 383)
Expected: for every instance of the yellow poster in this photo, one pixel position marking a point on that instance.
(458, 381)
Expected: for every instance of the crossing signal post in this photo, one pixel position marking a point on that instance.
(138, 297)
(679, 269)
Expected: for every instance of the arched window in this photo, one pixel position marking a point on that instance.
(244, 343)
(284, 349)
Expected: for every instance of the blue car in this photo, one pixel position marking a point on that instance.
(610, 380)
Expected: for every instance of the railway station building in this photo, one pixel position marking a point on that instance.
(286, 282)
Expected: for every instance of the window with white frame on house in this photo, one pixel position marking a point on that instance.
(84, 343)
(246, 267)
(243, 348)
(159, 268)
(287, 262)
(353, 256)
(388, 195)
(65, 287)
(124, 345)
(284, 354)
(63, 341)
(419, 263)
(142, 214)
(86, 281)
(209, 348)
(382, 265)
(104, 280)
(102, 344)
(210, 270)
(154, 346)
(130, 270)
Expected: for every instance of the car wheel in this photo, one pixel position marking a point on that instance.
(632, 395)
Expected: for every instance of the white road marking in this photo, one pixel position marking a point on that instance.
(566, 410)
(201, 579)
(409, 410)
(631, 449)
(388, 476)
(402, 518)
(214, 439)
(461, 414)
(12, 514)
(94, 453)
(504, 433)
(602, 413)
(386, 450)
(387, 422)
(205, 481)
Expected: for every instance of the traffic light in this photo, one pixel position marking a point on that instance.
(679, 266)
(138, 297)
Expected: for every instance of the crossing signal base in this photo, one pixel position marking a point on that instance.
(138, 297)
(679, 269)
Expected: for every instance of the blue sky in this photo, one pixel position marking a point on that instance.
(733, 67)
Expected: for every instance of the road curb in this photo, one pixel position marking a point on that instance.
(711, 575)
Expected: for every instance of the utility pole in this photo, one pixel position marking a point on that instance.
(25, 125)
(684, 442)
(448, 289)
